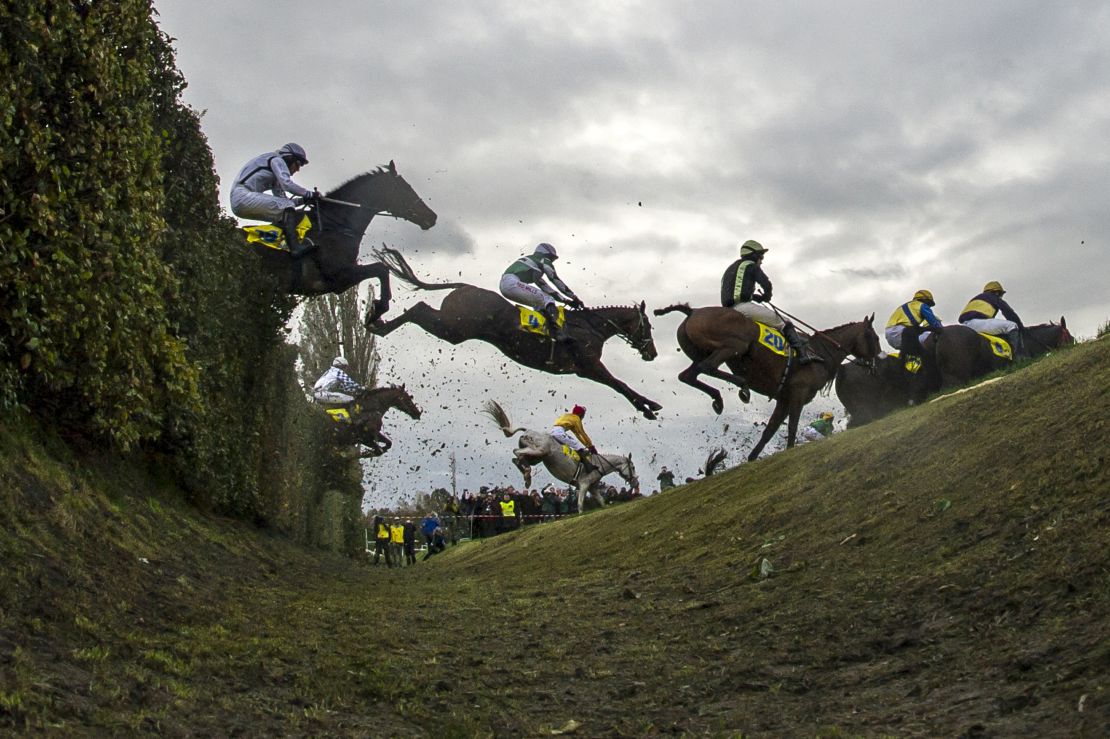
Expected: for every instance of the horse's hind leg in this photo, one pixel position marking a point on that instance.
(690, 377)
(422, 314)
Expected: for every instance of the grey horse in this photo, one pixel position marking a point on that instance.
(535, 447)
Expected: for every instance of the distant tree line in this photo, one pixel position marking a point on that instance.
(130, 314)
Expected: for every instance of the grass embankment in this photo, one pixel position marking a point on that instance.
(943, 571)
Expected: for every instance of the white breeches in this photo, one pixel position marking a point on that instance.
(563, 436)
(523, 292)
(761, 313)
(258, 205)
(330, 396)
(992, 326)
(811, 434)
(894, 336)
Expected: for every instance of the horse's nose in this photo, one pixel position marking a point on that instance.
(431, 222)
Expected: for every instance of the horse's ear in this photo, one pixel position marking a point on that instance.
(392, 167)
(871, 318)
(1063, 323)
(643, 306)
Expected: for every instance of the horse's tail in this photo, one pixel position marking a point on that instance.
(684, 307)
(492, 409)
(396, 263)
(714, 460)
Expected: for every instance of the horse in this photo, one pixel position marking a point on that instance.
(714, 336)
(337, 230)
(869, 393)
(535, 447)
(470, 312)
(962, 354)
(365, 423)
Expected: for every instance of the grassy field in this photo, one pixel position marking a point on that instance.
(940, 572)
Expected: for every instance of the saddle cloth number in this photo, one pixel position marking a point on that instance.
(999, 346)
(772, 339)
(571, 453)
(912, 363)
(272, 236)
(536, 322)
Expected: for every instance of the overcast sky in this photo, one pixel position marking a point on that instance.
(875, 148)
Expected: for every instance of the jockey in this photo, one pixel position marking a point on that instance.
(572, 422)
(981, 314)
(738, 292)
(270, 172)
(335, 385)
(916, 313)
(523, 282)
(821, 428)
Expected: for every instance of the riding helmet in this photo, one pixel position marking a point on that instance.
(294, 150)
(752, 247)
(578, 411)
(994, 286)
(827, 416)
(547, 249)
(339, 362)
(924, 296)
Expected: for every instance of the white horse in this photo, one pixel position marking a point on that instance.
(535, 447)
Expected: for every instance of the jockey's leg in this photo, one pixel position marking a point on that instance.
(289, 220)
(800, 345)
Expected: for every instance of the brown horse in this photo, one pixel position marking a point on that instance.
(337, 231)
(366, 412)
(872, 392)
(714, 336)
(962, 354)
(470, 312)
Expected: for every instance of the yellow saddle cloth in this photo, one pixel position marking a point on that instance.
(339, 415)
(999, 346)
(536, 322)
(912, 363)
(571, 453)
(772, 339)
(272, 237)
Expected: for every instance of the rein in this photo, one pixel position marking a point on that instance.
(619, 332)
(780, 313)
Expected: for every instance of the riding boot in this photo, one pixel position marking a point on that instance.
(584, 460)
(1017, 346)
(290, 218)
(557, 332)
(800, 345)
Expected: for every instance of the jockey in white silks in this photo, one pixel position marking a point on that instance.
(523, 282)
(261, 192)
(335, 385)
(568, 429)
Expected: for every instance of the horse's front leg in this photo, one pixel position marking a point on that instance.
(773, 424)
(597, 372)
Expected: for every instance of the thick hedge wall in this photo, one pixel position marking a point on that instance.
(130, 314)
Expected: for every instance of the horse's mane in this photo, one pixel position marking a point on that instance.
(372, 173)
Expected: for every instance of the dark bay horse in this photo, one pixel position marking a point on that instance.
(714, 336)
(872, 392)
(366, 411)
(962, 354)
(337, 231)
(469, 312)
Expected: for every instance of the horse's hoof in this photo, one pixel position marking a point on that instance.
(649, 415)
(655, 406)
(718, 406)
(745, 395)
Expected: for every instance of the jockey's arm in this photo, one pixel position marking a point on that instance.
(930, 317)
(580, 431)
(549, 273)
(285, 180)
(1009, 313)
(764, 282)
(344, 383)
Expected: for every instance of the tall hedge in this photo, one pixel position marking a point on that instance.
(130, 313)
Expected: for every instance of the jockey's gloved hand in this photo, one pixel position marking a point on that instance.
(593, 449)
(758, 298)
(575, 304)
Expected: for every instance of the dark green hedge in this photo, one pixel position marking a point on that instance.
(130, 314)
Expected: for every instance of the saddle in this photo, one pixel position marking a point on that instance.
(535, 322)
(341, 414)
(271, 236)
(571, 453)
(912, 363)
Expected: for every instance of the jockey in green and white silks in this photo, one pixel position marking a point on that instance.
(523, 282)
(335, 386)
(738, 292)
(262, 187)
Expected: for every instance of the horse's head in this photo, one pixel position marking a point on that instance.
(629, 472)
(382, 191)
(636, 328)
(404, 402)
(865, 342)
(1066, 339)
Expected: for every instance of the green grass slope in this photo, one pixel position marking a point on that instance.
(941, 572)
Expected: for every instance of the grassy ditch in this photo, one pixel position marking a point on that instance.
(942, 571)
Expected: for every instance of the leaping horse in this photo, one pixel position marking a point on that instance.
(535, 447)
(364, 423)
(470, 312)
(337, 230)
(714, 336)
